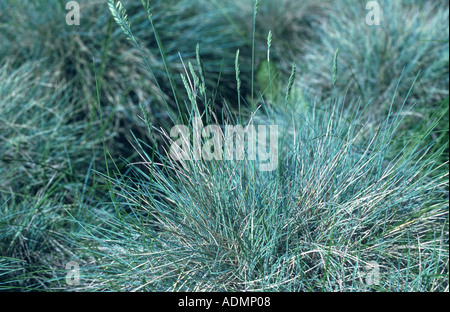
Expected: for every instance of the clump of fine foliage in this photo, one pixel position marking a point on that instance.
(361, 182)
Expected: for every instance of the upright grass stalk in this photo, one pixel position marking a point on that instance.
(255, 12)
(269, 44)
(238, 84)
(170, 76)
(335, 66)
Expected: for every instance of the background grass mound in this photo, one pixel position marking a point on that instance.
(45, 156)
(96, 50)
(411, 42)
(412, 39)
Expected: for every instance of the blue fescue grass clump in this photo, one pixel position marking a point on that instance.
(96, 50)
(40, 141)
(411, 41)
(45, 157)
(412, 38)
(358, 200)
(335, 205)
